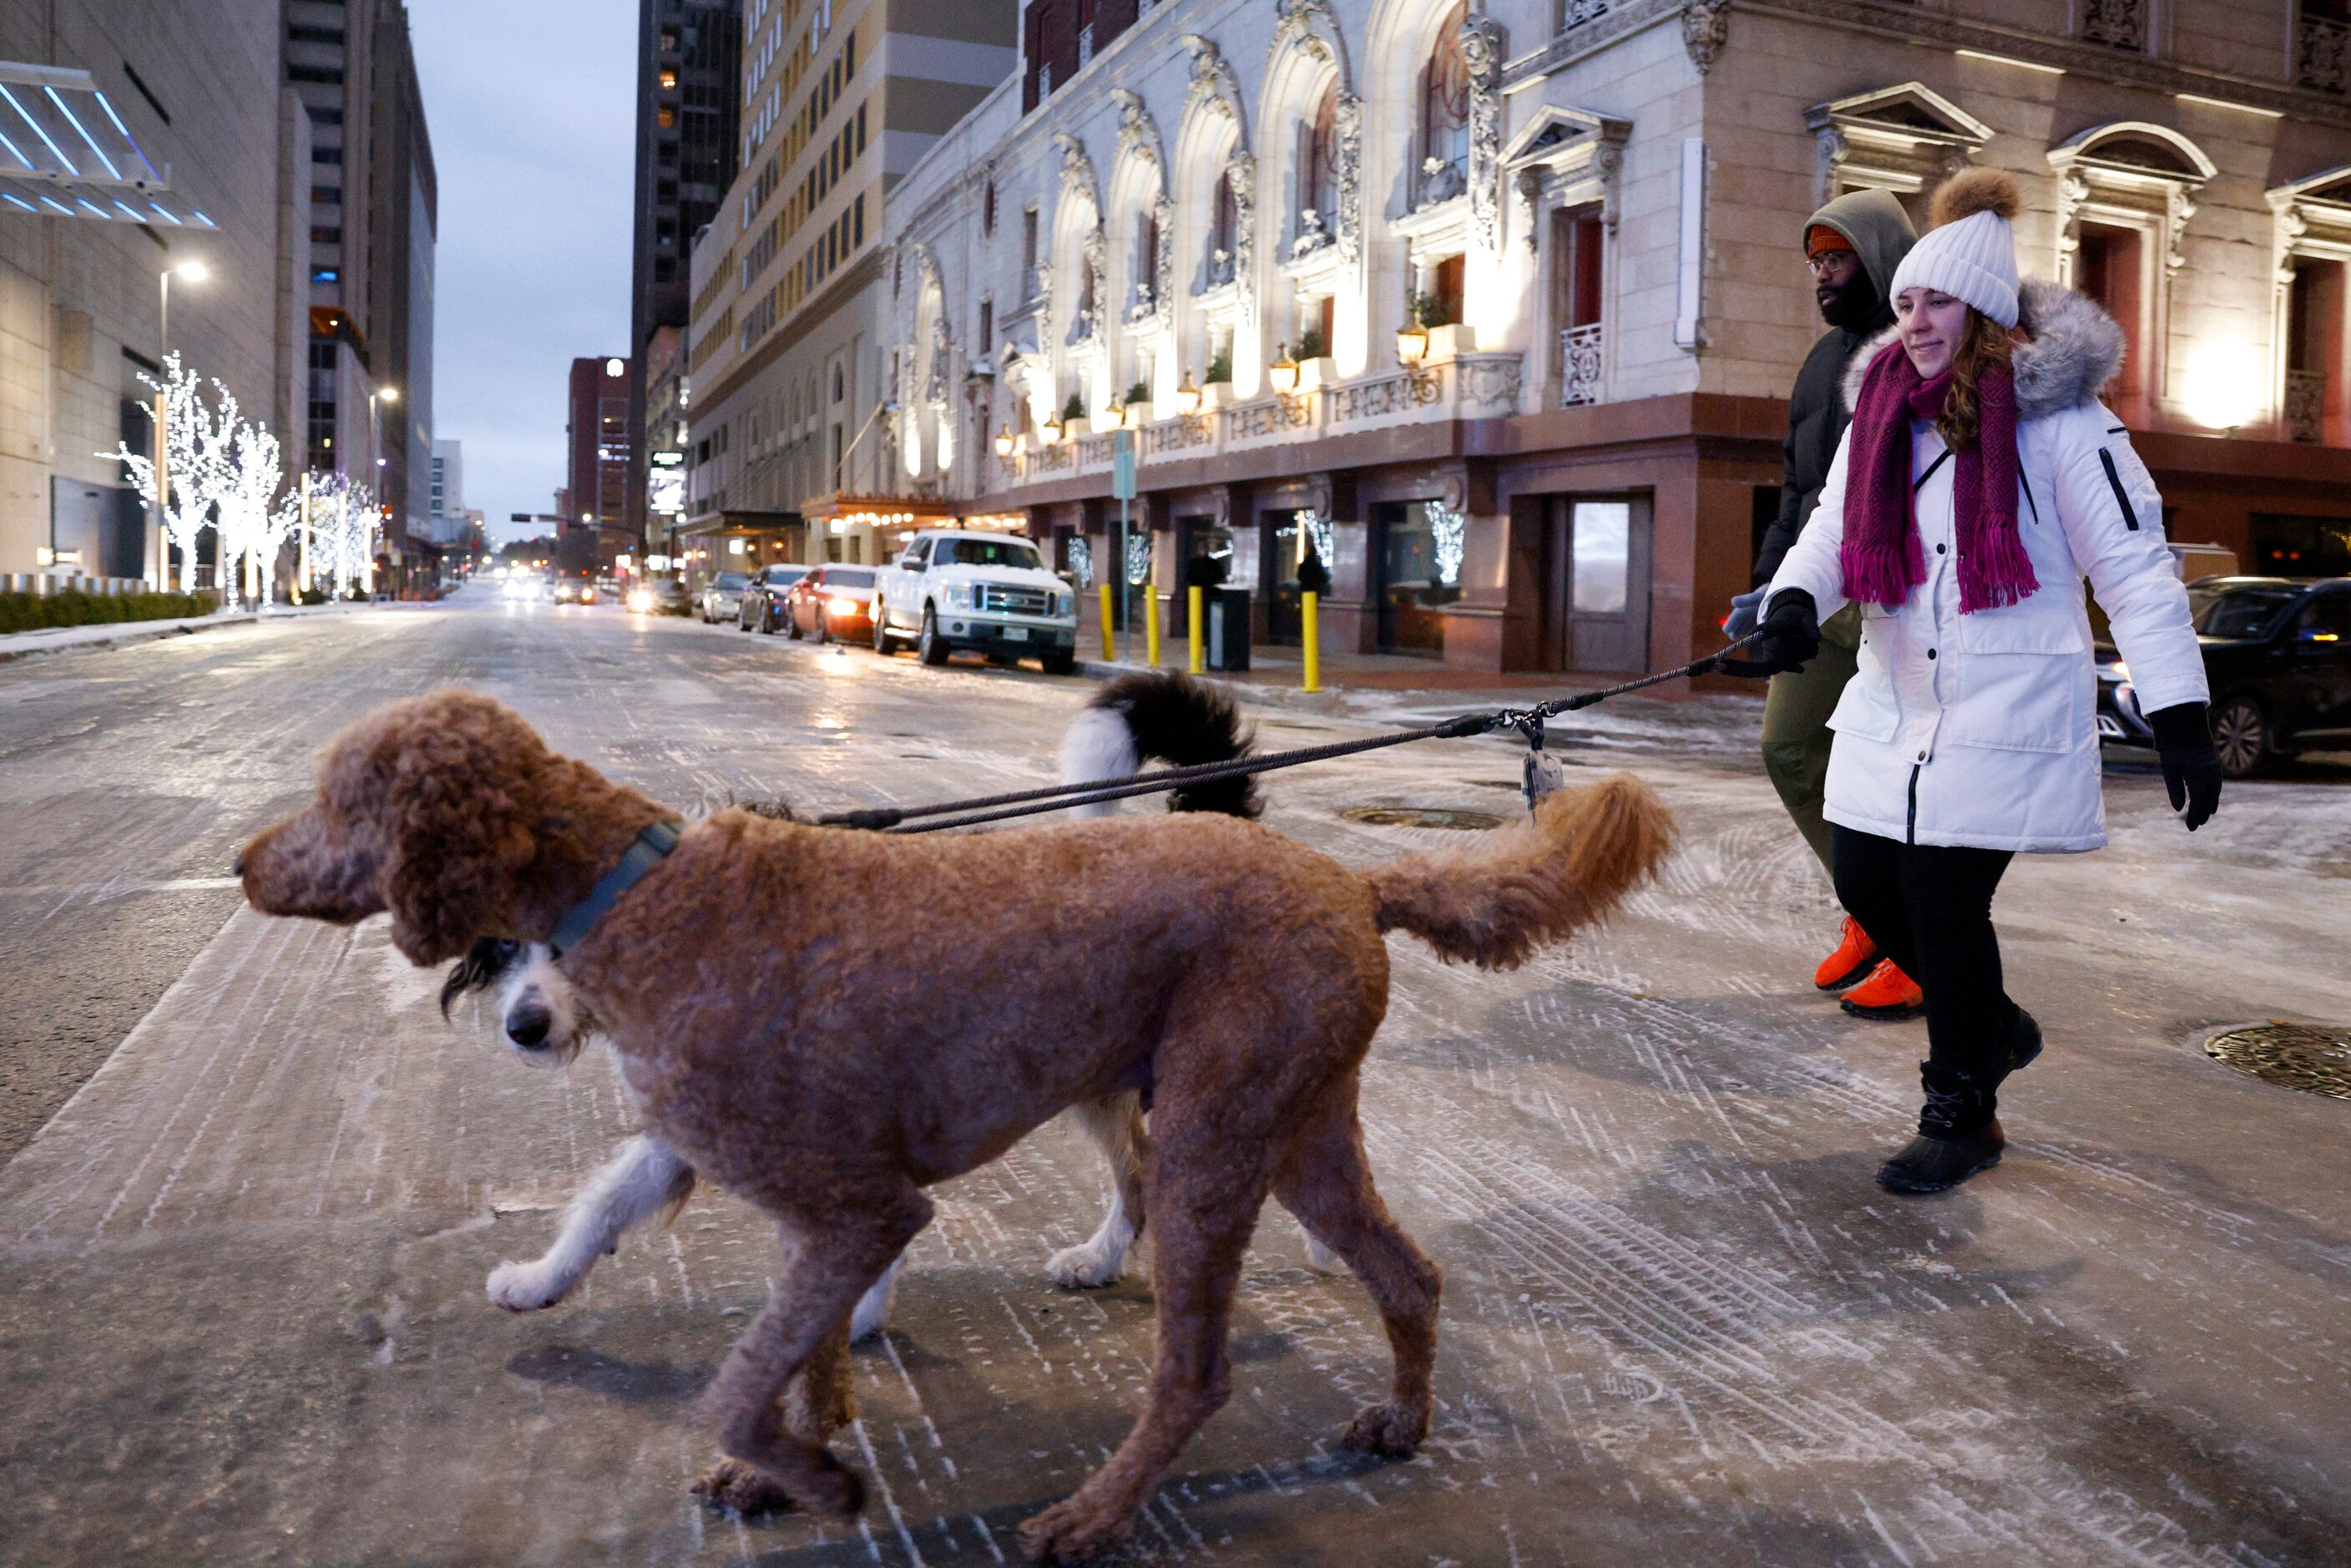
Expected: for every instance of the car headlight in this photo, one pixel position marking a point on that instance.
(641, 601)
(843, 606)
(958, 595)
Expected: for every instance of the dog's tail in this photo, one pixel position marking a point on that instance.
(1567, 867)
(1161, 717)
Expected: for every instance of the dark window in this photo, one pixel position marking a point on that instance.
(987, 338)
(2109, 269)
(326, 236)
(325, 116)
(315, 35)
(1448, 280)
(859, 213)
(1444, 109)
(2285, 546)
(1318, 182)
(1577, 261)
(326, 154)
(987, 211)
(326, 195)
(325, 74)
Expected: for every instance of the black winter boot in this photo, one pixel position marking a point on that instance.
(2023, 1040)
(1959, 1134)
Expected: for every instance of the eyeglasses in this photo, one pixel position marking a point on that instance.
(1828, 259)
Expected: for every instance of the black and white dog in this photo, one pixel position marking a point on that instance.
(1133, 720)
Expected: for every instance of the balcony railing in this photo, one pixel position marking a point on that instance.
(1472, 386)
(2319, 53)
(1579, 361)
(1575, 13)
(2305, 406)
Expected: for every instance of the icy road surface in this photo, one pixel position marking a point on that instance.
(241, 1309)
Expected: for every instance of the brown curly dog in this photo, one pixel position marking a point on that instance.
(844, 1037)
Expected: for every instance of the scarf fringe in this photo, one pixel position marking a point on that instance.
(2003, 574)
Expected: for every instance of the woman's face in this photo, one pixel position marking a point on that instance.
(1931, 324)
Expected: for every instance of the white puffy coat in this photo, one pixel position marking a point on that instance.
(1981, 730)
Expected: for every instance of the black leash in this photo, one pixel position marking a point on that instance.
(1528, 722)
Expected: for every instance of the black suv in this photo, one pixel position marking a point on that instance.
(765, 603)
(2277, 654)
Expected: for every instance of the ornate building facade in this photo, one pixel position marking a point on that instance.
(1493, 304)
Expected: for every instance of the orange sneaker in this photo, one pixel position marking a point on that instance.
(1888, 995)
(1855, 953)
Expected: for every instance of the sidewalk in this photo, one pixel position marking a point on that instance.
(115, 633)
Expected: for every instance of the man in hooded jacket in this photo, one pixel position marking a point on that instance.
(1852, 246)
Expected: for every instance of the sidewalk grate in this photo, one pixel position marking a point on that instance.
(2315, 1060)
(1421, 817)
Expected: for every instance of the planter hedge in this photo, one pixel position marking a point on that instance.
(39, 612)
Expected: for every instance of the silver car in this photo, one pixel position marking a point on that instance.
(722, 596)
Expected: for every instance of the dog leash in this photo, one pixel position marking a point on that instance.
(1528, 722)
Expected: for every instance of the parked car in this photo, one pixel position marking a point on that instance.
(764, 601)
(2277, 654)
(989, 592)
(833, 602)
(721, 597)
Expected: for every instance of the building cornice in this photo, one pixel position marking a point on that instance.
(1911, 24)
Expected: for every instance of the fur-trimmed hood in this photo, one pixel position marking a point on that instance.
(2074, 348)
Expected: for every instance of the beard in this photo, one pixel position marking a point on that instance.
(1853, 306)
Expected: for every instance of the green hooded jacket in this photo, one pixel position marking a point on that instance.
(1881, 235)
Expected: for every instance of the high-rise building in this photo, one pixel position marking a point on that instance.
(373, 207)
(142, 139)
(689, 55)
(787, 363)
(447, 508)
(596, 507)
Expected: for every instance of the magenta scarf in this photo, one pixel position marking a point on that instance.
(1882, 557)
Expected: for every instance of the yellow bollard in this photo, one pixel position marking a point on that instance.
(1195, 629)
(1108, 619)
(1151, 627)
(1312, 637)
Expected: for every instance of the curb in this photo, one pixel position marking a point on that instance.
(124, 632)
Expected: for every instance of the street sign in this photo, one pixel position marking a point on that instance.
(1122, 464)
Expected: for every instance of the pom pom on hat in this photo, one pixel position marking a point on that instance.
(1970, 253)
(1974, 190)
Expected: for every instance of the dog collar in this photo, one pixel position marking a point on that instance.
(651, 848)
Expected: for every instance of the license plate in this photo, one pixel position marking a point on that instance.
(1016, 633)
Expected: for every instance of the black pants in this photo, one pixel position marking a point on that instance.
(1929, 908)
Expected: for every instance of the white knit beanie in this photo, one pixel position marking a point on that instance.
(1970, 253)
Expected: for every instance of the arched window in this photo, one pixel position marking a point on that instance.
(1224, 233)
(1317, 184)
(1445, 113)
(1146, 261)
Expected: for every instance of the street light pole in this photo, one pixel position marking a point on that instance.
(375, 450)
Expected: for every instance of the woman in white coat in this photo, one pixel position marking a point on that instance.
(1979, 482)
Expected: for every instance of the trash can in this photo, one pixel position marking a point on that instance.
(1229, 629)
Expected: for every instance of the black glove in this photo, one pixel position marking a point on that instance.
(2191, 765)
(1791, 632)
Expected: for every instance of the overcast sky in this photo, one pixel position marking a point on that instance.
(528, 102)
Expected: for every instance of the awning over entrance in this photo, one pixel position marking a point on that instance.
(66, 153)
(738, 540)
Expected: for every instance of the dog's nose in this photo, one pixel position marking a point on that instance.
(527, 1026)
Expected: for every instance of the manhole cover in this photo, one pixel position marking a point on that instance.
(1420, 817)
(2315, 1060)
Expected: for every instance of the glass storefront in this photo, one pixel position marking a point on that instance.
(1418, 547)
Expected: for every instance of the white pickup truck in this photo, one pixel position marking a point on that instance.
(989, 592)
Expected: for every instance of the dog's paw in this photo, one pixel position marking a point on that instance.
(1086, 1267)
(731, 1483)
(1071, 1531)
(1319, 1258)
(834, 1489)
(1388, 1430)
(527, 1287)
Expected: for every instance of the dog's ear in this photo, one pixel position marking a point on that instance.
(461, 820)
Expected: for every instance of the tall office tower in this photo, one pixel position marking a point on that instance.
(373, 211)
(689, 54)
(595, 526)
